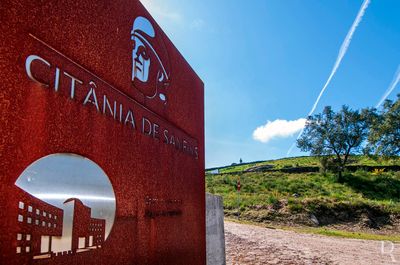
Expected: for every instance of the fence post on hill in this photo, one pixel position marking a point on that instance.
(238, 186)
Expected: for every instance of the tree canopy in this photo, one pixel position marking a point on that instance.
(337, 134)
(384, 138)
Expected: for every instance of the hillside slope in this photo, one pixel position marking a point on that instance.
(363, 201)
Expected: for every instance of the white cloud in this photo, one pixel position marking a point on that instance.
(278, 129)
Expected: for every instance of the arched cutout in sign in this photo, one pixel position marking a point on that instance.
(66, 206)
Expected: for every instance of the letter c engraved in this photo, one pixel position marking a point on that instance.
(28, 64)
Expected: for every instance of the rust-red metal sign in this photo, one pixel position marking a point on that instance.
(102, 138)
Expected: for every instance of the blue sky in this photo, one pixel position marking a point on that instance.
(267, 60)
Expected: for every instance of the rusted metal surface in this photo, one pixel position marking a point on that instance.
(67, 86)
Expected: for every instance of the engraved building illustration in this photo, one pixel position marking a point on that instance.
(45, 231)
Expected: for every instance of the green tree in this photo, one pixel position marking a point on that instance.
(338, 135)
(384, 138)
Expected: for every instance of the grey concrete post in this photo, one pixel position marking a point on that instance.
(215, 236)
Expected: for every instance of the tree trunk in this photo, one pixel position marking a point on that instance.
(340, 175)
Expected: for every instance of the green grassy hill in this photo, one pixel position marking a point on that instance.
(307, 161)
(362, 200)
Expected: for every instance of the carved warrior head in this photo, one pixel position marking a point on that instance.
(148, 72)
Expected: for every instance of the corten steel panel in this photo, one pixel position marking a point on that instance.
(158, 178)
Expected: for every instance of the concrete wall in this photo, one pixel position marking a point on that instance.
(215, 230)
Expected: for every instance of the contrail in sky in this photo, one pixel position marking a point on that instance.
(390, 89)
(341, 54)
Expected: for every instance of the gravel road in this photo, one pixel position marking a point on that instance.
(248, 244)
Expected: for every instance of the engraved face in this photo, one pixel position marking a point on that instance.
(149, 74)
(140, 60)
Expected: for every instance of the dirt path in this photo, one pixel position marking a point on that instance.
(247, 244)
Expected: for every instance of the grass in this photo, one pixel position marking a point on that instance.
(278, 197)
(310, 161)
(326, 232)
(346, 234)
(267, 188)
